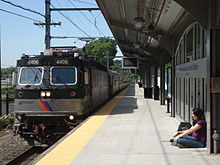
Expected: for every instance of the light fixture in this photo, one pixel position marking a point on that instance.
(45, 93)
(48, 94)
(71, 117)
(136, 45)
(42, 94)
(159, 36)
(138, 23)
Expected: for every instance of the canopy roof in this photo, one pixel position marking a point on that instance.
(161, 20)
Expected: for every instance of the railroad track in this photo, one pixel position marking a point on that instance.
(27, 156)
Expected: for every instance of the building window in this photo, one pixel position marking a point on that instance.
(189, 46)
(198, 42)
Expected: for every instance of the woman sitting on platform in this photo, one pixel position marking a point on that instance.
(195, 137)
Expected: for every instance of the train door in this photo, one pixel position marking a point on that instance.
(87, 85)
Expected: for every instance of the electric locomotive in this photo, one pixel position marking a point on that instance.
(54, 91)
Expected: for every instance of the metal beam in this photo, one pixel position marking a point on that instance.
(163, 39)
(64, 37)
(73, 9)
(198, 9)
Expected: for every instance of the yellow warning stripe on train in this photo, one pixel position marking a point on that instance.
(65, 152)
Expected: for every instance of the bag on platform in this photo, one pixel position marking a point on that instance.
(184, 126)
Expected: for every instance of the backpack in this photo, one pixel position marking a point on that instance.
(184, 126)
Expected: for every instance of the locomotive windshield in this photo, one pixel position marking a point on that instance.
(63, 76)
(31, 76)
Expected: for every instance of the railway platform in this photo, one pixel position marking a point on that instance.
(128, 130)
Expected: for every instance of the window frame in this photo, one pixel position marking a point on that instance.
(42, 75)
(63, 67)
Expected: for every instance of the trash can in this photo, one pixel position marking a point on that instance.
(156, 93)
(148, 92)
(140, 84)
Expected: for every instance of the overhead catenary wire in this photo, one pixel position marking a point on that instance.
(19, 15)
(15, 5)
(82, 21)
(99, 31)
(85, 2)
(72, 22)
(65, 30)
(95, 18)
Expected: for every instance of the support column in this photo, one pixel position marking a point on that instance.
(214, 74)
(142, 78)
(173, 86)
(145, 78)
(155, 85)
(162, 83)
(148, 88)
(155, 76)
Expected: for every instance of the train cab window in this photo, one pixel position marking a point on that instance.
(63, 76)
(30, 76)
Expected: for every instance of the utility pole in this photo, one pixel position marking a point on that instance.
(47, 24)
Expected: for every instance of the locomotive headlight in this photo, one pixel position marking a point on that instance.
(71, 117)
(42, 94)
(45, 93)
(48, 94)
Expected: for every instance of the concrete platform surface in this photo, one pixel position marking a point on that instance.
(137, 132)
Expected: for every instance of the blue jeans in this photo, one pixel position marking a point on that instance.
(188, 141)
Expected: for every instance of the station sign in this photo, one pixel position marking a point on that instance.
(130, 63)
(193, 69)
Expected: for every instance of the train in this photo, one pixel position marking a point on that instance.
(56, 90)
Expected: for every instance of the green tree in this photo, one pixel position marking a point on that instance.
(7, 71)
(102, 48)
(117, 65)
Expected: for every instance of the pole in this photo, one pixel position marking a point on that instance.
(47, 24)
(7, 103)
(0, 75)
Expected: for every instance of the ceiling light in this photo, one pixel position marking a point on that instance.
(136, 45)
(138, 23)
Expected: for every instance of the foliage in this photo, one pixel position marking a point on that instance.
(8, 90)
(6, 122)
(117, 65)
(125, 73)
(5, 72)
(168, 65)
(131, 76)
(102, 48)
(134, 78)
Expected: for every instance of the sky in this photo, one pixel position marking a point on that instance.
(20, 35)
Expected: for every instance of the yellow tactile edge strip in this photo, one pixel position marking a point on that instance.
(65, 152)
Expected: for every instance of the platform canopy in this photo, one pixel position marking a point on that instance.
(145, 28)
